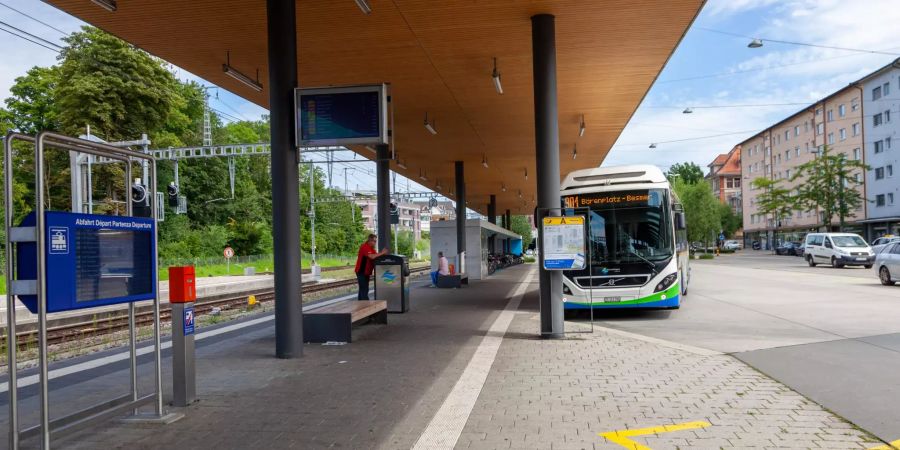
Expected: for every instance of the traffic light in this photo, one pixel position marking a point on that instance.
(395, 214)
(172, 190)
(140, 200)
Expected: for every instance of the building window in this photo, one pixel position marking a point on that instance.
(787, 173)
(843, 134)
(879, 173)
(887, 143)
(818, 111)
(890, 198)
(886, 89)
(856, 154)
(858, 178)
(830, 115)
(877, 120)
(778, 139)
(768, 151)
(887, 116)
(854, 104)
(831, 138)
(879, 146)
(820, 128)
(787, 155)
(842, 110)
(797, 151)
(797, 130)
(806, 127)
(787, 135)
(890, 170)
(855, 129)
(876, 93)
(879, 200)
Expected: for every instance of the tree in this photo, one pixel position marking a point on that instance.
(731, 221)
(688, 172)
(829, 185)
(32, 105)
(701, 210)
(774, 200)
(116, 88)
(522, 226)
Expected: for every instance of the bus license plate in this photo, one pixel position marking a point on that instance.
(611, 299)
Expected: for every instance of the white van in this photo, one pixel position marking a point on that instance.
(838, 249)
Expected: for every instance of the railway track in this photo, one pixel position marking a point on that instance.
(118, 320)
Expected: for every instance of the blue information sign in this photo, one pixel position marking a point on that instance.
(188, 320)
(92, 260)
(342, 116)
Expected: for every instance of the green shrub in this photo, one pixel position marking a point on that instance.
(707, 256)
(529, 259)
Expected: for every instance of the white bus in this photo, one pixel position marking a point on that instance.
(638, 250)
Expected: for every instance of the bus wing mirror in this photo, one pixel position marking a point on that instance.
(679, 221)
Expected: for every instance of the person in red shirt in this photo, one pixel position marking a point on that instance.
(365, 265)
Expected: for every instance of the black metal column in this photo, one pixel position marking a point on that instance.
(460, 217)
(282, 34)
(508, 220)
(492, 210)
(546, 134)
(383, 194)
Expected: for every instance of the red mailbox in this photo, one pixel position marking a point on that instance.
(182, 284)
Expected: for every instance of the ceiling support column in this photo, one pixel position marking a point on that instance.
(546, 137)
(282, 34)
(460, 218)
(383, 194)
(492, 210)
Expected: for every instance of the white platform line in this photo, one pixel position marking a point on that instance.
(661, 342)
(123, 356)
(445, 427)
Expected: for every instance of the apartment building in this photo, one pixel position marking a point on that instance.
(725, 178)
(881, 103)
(777, 152)
(410, 215)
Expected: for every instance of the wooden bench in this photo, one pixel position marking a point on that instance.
(333, 323)
(452, 281)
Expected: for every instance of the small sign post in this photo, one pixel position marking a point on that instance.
(564, 243)
(229, 253)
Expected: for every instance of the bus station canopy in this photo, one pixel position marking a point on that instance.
(438, 57)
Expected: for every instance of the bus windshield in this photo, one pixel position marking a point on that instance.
(627, 227)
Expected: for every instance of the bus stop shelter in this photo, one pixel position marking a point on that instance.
(515, 93)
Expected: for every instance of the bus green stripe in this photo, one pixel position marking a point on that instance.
(669, 293)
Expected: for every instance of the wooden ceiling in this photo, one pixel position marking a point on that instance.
(437, 57)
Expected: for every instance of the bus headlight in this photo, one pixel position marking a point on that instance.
(666, 282)
(566, 290)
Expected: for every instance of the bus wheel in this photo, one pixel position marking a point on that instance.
(810, 261)
(885, 276)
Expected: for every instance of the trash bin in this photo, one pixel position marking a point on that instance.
(391, 284)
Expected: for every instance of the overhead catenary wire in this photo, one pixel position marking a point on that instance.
(43, 41)
(32, 41)
(35, 19)
(804, 44)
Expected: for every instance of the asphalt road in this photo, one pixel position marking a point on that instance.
(831, 334)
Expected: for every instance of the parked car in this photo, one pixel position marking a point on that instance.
(732, 245)
(839, 250)
(882, 242)
(887, 264)
(789, 248)
(756, 245)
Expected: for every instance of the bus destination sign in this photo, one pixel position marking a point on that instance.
(621, 199)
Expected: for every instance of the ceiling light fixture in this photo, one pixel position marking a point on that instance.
(496, 77)
(438, 187)
(653, 145)
(484, 161)
(526, 174)
(401, 164)
(520, 193)
(575, 151)
(688, 110)
(430, 126)
(423, 175)
(239, 76)
(109, 5)
(581, 127)
(364, 6)
(502, 187)
(755, 43)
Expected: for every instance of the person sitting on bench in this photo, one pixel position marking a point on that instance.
(443, 269)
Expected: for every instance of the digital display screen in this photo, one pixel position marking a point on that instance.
(620, 199)
(112, 263)
(339, 117)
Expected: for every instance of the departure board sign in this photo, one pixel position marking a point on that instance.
(92, 260)
(342, 115)
(563, 243)
(617, 199)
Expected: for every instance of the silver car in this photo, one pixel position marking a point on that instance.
(887, 263)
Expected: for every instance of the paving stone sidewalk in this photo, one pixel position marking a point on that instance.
(564, 394)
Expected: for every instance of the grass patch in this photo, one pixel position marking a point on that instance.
(706, 256)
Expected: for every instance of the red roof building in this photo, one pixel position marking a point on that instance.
(725, 178)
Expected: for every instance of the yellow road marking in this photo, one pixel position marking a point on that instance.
(621, 436)
(889, 446)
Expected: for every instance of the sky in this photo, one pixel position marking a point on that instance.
(711, 71)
